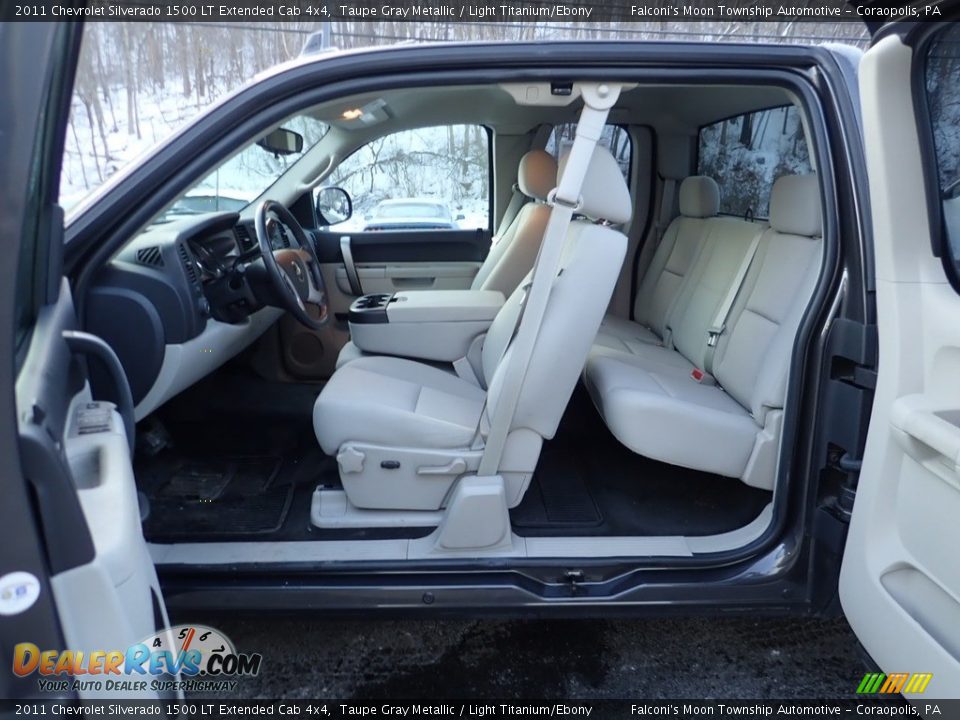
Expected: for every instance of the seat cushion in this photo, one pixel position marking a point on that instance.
(349, 353)
(395, 402)
(661, 412)
(617, 333)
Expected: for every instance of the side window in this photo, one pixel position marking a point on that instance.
(746, 153)
(615, 138)
(943, 103)
(435, 178)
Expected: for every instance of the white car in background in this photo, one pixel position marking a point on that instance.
(410, 214)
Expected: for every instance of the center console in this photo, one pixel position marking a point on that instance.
(437, 325)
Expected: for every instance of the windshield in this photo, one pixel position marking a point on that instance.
(246, 175)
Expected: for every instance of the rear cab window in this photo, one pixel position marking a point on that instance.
(746, 153)
(615, 138)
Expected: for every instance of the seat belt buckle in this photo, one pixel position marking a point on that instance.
(667, 339)
(713, 335)
(702, 377)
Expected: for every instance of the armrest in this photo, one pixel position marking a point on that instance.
(437, 325)
(444, 306)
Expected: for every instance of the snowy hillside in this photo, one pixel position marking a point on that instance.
(745, 154)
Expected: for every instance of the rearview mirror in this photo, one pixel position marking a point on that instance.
(333, 205)
(282, 142)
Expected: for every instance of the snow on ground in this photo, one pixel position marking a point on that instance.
(86, 166)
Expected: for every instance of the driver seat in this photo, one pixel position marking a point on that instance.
(403, 432)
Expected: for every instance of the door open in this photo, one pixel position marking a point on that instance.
(900, 581)
(79, 576)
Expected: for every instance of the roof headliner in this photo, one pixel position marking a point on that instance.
(681, 108)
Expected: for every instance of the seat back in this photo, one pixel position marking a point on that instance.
(591, 262)
(675, 255)
(513, 254)
(753, 354)
(727, 243)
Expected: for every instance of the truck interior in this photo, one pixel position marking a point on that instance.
(658, 399)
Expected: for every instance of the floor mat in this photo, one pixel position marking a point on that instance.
(558, 497)
(587, 483)
(226, 496)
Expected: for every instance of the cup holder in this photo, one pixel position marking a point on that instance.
(372, 302)
(370, 308)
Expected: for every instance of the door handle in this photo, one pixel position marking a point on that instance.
(82, 343)
(352, 277)
(927, 432)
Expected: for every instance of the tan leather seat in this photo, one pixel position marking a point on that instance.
(515, 250)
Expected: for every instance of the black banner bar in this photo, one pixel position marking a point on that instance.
(619, 11)
(892, 706)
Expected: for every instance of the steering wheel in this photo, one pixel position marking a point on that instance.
(294, 271)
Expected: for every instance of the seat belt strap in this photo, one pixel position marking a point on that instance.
(723, 312)
(516, 325)
(649, 248)
(666, 208)
(565, 201)
(464, 371)
(517, 201)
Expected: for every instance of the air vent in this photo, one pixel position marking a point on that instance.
(150, 256)
(243, 237)
(188, 264)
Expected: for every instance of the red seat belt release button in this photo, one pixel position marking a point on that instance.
(697, 374)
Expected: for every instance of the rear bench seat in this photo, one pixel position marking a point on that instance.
(728, 423)
(699, 200)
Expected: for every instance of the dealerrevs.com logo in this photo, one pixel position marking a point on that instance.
(186, 657)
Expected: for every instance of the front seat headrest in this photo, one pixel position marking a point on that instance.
(537, 174)
(795, 205)
(604, 194)
(699, 197)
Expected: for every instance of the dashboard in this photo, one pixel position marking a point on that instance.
(195, 283)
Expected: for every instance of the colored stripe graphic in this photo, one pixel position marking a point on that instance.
(918, 682)
(893, 683)
(870, 683)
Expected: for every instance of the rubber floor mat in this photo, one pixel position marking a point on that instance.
(231, 496)
(558, 497)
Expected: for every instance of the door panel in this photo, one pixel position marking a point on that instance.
(72, 453)
(77, 457)
(422, 246)
(392, 261)
(900, 581)
(393, 277)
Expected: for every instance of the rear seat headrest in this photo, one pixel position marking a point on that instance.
(699, 197)
(604, 195)
(537, 174)
(795, 205)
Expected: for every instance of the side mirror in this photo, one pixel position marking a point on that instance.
(282, 142)
(333, 205)
(460, 216)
